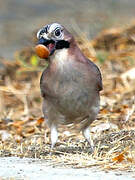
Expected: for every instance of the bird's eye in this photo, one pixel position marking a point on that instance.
(57, 32)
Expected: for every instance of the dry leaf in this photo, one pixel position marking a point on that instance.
(40, 121)
(17, 124)
(119, 158)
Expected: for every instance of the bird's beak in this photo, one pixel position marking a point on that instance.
(50, 44)
(43, 41)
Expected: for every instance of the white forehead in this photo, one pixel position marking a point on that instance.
(53, 26)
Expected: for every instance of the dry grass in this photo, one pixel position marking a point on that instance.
(22, 127)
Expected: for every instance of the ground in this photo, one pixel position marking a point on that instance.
(26, 168)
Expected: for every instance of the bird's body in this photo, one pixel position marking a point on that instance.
(67, 87)
(70, 87)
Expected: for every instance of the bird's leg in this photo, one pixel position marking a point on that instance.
(86, 129)
(54, 135)
(45, 137)
(86, 134)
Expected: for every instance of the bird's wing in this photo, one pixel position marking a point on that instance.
(97, 74)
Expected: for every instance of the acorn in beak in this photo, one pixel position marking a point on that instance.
(45, 48)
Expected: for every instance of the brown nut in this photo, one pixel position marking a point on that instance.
(42, 51)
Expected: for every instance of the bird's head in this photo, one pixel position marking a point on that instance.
(55, 37)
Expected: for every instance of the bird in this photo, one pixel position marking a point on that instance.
(70, 85)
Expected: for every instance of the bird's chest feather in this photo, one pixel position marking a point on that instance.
(65, 85)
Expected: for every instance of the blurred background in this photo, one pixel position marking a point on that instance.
(105, 32)
(20, 18)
